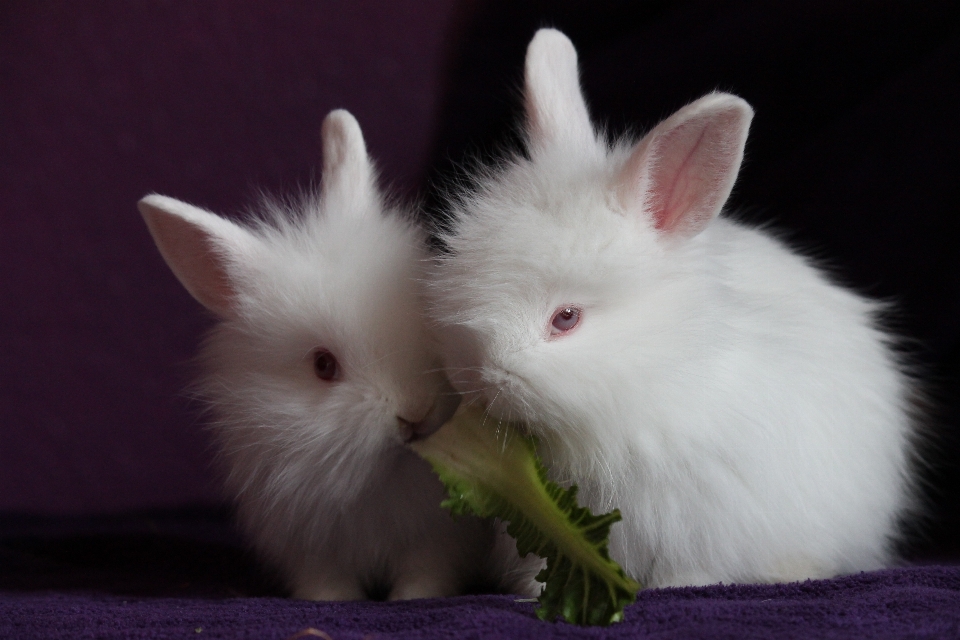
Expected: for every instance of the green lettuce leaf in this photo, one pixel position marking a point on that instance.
(493, 470)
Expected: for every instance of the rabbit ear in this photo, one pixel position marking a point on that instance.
(348, 175)
(682, 172)
(556, 111)
(201, 248)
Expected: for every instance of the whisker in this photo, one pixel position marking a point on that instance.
(486, 411)
(366, 365)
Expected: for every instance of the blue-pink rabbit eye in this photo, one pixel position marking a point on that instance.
(325, 365)
(565, 319)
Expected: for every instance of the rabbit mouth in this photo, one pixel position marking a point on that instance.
(511, 398)
(503, 399)
(443, 408)
(500, 392)
(414, 431)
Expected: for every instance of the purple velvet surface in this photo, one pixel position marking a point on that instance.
(165, 574)
(905, 603)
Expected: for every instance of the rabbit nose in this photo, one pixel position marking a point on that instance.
(407, 434)
(442, 410)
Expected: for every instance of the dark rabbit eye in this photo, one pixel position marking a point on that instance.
(564, 320)
(325, 365)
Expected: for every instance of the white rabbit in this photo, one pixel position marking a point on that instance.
(319, 370)
(746, 414)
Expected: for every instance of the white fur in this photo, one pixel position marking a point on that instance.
(745, 414)
(323, 483)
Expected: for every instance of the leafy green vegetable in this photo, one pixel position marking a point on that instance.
(495, 472)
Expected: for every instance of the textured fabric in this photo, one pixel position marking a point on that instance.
(167, 574)
(905, 603)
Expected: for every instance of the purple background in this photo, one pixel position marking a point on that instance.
(102, 103)
(854, 151)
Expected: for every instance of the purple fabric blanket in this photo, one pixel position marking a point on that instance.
(919, 602)
(186, 574)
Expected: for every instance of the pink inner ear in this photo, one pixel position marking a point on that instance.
(195, 259)
(691, 169)
(689, 172)
(682, 173)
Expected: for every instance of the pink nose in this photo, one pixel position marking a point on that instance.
(445, 406)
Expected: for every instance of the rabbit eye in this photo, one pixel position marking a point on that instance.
(325, 365)
(564, 320)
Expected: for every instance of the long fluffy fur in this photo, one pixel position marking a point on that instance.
(747, 415)
(324, 486)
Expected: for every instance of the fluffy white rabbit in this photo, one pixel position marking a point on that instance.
(745, 413)
(319, 370)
